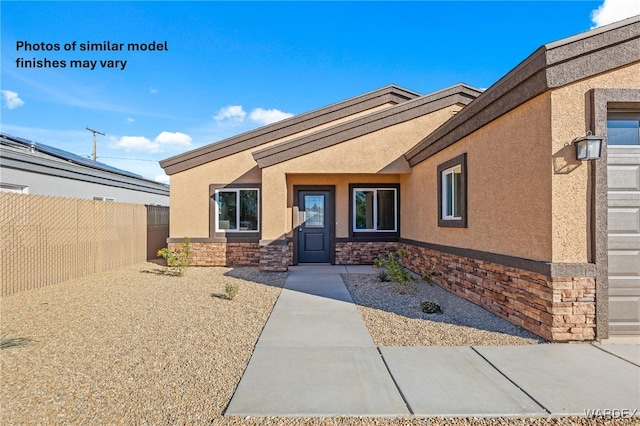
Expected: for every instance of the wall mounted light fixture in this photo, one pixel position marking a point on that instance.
(588, 147)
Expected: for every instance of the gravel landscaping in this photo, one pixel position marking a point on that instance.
(393, 316)
(133, 346)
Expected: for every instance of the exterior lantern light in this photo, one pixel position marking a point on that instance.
(588, 147)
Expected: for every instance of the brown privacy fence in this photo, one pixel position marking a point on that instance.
(47, 240)
(157, 229)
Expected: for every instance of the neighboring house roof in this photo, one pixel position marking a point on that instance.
(35, 157)
(255, 138)
(551, 66)
(409, 110)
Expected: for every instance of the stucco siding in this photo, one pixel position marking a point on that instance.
(190, 188)
(378, 153)
(509, 202)
(571, 179)
(341, 183)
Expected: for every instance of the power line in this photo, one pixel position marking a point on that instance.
(131, 159)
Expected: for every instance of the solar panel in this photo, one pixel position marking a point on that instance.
(69, 156)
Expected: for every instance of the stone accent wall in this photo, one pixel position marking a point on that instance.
(362, 253)
(223, 254)
(557, 309)
(276, 257)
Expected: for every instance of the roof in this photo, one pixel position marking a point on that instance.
(459, 94)
(36, 157)
(290, 126)
(551, 66)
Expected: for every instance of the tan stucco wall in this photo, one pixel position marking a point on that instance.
(341, 183)
(375, 153)
(570, 190)
(508, 204)
(190, 189)
(527, 196)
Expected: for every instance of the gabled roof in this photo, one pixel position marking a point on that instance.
(35, 157)
(287, 127)
(459, 94)
(551, 66)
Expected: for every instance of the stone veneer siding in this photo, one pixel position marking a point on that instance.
(276, 257)
(362, 253)
(557, 309)
(223, 254)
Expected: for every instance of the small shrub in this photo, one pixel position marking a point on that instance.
(177, 259)
(430, 307)
(428, 277)
(232, 290)
(393, 264)
(383, 275)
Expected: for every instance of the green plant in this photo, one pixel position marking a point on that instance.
(232, 290)
(177, 258)
(428, 277)
(383, 275)
(393, 264)
(430, 307)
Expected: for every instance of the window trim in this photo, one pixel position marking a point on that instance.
(369, 234)
(453, 222)
(232, 235)
(237, 191)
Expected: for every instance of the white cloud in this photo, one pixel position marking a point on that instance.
(153, 90)
(614, 10)
(176, 138)
(162, 179)
(237, 114)
(130, 120)
(233, 113)
(141, 143)
(11, 99)
(135, 143)
(268, 116)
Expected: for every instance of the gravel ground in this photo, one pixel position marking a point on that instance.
(393, 316)
(135, 347)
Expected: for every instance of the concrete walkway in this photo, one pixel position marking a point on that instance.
(315, 357)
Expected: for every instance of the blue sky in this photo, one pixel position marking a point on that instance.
(232, 67)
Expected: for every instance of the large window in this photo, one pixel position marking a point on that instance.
(374, 209)
(452, 193)
(237, 210)
(623, 128)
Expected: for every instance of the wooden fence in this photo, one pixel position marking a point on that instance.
(47, 240)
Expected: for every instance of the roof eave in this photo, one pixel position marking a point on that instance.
(551, 66)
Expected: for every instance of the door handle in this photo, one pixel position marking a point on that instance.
(300, 229)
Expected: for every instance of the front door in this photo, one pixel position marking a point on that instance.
(314, 229)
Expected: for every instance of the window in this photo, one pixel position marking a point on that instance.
(374, 211)
(18, 189)
(104, 199)
(237, 210)
(452, 193)
(623, 128)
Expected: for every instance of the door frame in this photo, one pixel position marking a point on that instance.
(332, 218)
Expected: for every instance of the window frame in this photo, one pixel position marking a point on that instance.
(622, 115)
(229, 235)
(374, 234)
(447, 166)
(216, 213)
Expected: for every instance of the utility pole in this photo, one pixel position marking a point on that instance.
(95, 145)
